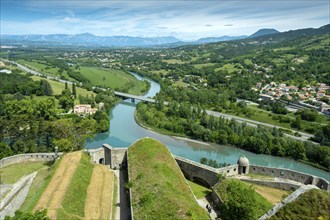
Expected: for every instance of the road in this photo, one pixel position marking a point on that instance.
(304, 136)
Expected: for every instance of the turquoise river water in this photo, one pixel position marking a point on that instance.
(124, 131)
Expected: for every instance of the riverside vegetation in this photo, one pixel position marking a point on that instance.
(186, 119)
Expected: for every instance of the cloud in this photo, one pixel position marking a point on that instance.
(186, 19)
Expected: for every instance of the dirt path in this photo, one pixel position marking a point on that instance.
(99, 194)
(55, 191)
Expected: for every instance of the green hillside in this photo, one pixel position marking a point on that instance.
(314, 204)
(159, 190)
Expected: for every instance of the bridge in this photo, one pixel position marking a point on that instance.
(134, 97)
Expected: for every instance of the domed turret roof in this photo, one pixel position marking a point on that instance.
(243, 161)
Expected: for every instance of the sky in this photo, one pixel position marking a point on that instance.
(186, 20)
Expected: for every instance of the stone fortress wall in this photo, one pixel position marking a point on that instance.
(20, 158)
(192, 170)
(208, 176)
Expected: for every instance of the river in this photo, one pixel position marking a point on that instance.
(124, 131)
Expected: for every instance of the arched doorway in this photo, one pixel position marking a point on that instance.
(101, 161)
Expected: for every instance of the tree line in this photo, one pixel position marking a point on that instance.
(191, 120)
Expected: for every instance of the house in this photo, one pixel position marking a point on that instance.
(5, 71)
(84, 109)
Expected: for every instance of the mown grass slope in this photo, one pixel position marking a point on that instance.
(114, 79)
(12, 173)
(73, 203)
(314, 204)
(159, 190)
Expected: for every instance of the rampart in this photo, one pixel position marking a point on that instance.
(291, 175)
(197, 172)
(208, 176)
(20, 158)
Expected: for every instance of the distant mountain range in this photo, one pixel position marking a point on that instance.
(87, 39)
(90, 39)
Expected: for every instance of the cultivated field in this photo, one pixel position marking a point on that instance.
(99, 194)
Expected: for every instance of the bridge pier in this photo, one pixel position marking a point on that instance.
(133, 100)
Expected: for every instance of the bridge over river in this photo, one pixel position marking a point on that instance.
(134, 97)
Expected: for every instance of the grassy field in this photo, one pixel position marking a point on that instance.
(198, 190)
(174, 61)
(200, 66)
(43, 68)
(272, 195)
(11, 174)
(58, 87)
(114, 79)
(229, 67)
(159, 190)
(314, 204)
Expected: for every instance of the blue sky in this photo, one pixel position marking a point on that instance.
(186, 20)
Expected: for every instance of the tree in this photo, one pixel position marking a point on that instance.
(74, 92)
(37, 215)
(240, 202)
(45, 88)
(66, 100)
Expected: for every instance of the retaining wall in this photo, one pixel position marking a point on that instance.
(197, 172)
(20, 158)
(291, 175)
(275, 184)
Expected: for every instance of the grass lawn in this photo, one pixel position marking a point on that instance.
(164, 72)
(229, 67)
(58, 87)
(114, 79)
(174, 61)
(198, 190)
(12, 173)
(272, 195)
(180, 84)
(314, 204)
(73, 203)
(260, 176)
(267, 117)
(35, 65)
(158, 188)
(200, 66)
(248, 61)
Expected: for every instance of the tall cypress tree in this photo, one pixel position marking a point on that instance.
(74, 92)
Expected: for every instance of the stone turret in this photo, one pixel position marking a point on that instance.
(243, 165)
